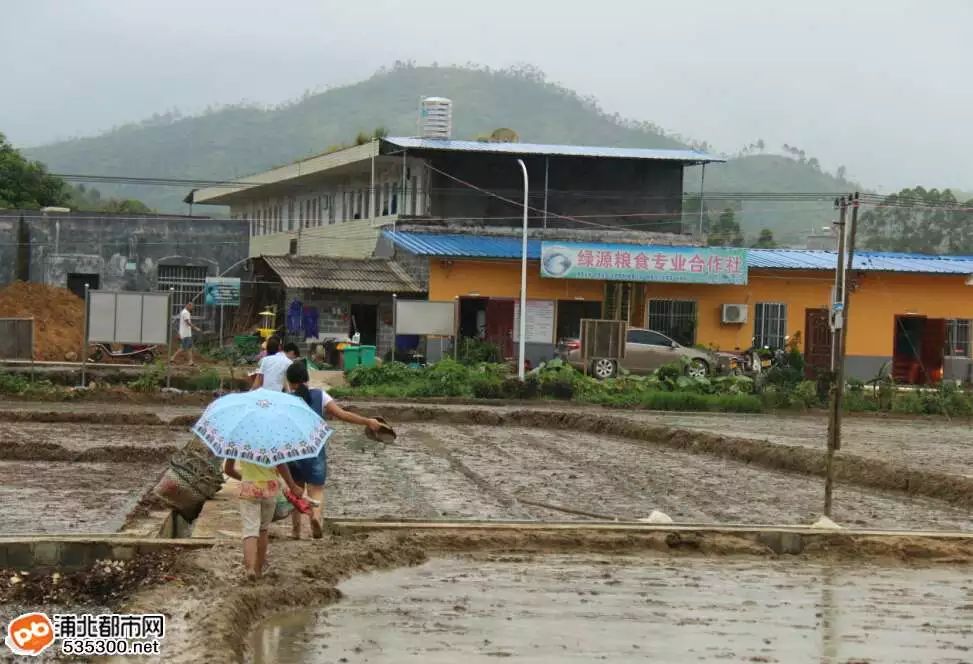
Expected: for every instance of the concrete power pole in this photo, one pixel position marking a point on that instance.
(840, 324)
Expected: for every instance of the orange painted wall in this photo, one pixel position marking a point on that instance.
(875, 303)
(502, 279)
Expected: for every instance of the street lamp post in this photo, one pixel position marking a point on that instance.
(523, 282)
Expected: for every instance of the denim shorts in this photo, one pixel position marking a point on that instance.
(310, 471)
(186, 343)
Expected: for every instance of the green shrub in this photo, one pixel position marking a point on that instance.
(446, 378)
(151, 379)
(669, 374)
(957, 403)
(775, 398)
(529, 388)
(13, 383)
(806, 394)
(733, 385)
(208, 379)
(476, 351)
(738, 403)
(43, 389)
(393, 372)
(784, 377)
(910, 403)
(859, 402)
(559, 387)
(486, 386)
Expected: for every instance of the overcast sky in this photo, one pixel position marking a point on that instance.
(881, 87)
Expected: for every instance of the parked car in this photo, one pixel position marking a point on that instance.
(645, 351)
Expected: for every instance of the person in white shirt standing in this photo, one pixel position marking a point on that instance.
(186, 328)
(272, 370)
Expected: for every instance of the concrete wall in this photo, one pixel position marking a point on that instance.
(124, 250)
(337, 325)
(577, 186)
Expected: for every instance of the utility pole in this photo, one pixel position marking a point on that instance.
(846, 292)
(837, 322)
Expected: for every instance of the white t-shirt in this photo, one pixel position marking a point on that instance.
(274, 370)
(185, 329)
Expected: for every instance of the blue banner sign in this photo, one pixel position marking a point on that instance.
(222, 291)
(631, 262)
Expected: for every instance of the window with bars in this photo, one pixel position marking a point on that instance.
(770, 324)
(674, 318)
(186, 283)
(958, 337)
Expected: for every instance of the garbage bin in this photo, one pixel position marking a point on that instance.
(351, 357)
(367, 356)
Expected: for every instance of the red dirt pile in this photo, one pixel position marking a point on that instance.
(58, 317)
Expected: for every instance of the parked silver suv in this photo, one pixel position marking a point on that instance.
(645, 351)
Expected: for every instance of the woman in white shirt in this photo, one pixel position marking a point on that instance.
(271, 371)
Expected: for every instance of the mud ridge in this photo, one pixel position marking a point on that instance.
(851, 469)
(114, 418)
(13, 451)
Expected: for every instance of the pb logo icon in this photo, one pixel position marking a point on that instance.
(30, 634)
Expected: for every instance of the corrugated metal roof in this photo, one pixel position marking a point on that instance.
(374, 275)
(800, 259)
(691, 156)
(477, 246)
(466, 246)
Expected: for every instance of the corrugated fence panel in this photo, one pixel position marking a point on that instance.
(16, 338)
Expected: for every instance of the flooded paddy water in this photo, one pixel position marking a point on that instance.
(633, 608)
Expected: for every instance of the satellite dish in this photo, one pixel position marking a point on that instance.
(504, 135)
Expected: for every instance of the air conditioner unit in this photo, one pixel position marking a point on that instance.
(735, 313)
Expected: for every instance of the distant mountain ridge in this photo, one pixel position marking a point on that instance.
(234, 141)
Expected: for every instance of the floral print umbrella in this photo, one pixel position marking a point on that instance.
(263, 427)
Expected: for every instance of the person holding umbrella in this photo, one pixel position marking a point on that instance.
(258, 433)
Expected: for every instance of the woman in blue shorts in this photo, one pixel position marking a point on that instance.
(312, 473)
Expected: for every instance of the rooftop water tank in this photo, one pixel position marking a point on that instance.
(436, 117)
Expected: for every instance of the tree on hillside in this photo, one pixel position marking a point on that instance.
(26, 184)
(765, 240)
(919, 220)
(726, 231)
(90, 199)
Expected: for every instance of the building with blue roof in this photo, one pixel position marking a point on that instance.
(910, 313)
(336, 204)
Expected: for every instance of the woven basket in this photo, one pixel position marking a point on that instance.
(180, 495)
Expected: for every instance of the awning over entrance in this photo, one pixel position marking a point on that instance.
(369, 275)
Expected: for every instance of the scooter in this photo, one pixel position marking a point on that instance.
(138, 353)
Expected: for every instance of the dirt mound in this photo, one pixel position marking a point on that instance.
(58, 317)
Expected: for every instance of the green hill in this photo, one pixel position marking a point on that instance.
(238, 140)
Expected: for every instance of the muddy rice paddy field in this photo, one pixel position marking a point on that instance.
(588, 608)
(437, 600)
(84, 477)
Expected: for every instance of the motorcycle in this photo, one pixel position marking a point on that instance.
(139, 353)
(754, 360)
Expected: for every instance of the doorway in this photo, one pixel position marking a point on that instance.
(817, 342)
(918, 345)
(500, 325)
(364, 320)
(472, 317)
(570, 313)
(77, 280)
